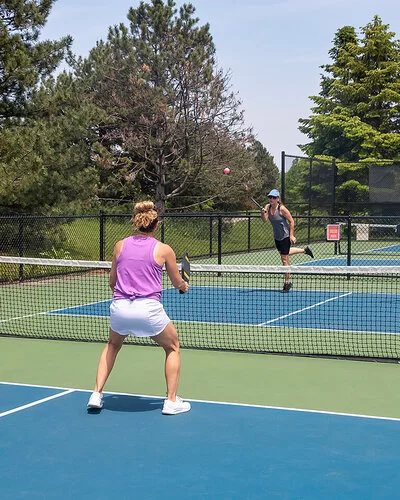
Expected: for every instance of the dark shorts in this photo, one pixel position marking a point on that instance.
(283, 246)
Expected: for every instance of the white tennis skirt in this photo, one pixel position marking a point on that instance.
(139, 317)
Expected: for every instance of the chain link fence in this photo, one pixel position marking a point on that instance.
(240, 238)
(313, 186)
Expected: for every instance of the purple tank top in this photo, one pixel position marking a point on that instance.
(138, 274)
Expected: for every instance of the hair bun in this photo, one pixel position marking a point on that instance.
(145, 216)
(143, 207)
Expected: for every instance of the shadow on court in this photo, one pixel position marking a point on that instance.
(124, 403)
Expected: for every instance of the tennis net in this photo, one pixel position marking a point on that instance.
(334, 311)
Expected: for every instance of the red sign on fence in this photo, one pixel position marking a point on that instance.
(333, 232)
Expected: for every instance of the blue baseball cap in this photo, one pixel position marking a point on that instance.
(274, 192)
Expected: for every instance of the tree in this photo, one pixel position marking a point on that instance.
(356, 117)
(46, 126)
(172, 118)
(267, 170)
(45, 162)
(357, 113)
(24, 61)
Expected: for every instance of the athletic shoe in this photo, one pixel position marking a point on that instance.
(286, 287)
(308, 251)
(175, 407)
(95, 401)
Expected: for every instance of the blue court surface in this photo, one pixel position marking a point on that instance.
(351, 311)
(342, 261)
(390, 249)
(51, 447)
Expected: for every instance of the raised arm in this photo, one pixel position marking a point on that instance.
(264, 213)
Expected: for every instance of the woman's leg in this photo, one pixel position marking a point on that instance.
(296, 250)
(107, 359)
(168, 340)
(286, 262)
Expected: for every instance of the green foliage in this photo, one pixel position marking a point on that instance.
(147, 114)
(24, 61)
(357, 111)
(46, 162)
(45, 125)
(173, 124)
(55, 253)
(266, 171)
(356, 115)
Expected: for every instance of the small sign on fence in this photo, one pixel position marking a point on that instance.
(333, 232)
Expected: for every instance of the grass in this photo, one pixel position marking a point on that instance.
(194, 235)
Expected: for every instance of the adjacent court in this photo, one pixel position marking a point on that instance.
(296, 310)
(355, 261)
(52, 448)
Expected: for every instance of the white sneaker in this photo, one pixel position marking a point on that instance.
(95, 401)
(175, 407)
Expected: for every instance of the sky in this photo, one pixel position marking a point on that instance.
(273, 49)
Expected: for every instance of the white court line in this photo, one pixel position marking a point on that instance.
(383, 248)
(54, 312)
(23, 317)
(294, 327)
(78, 315)
(34, 403)
(227, 403)
(305, 309)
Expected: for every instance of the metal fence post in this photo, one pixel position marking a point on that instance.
(349, 240)
(102, 220)
(211, 236)
(334, 179)
(310, 174)
(283, 156)
(248, 233)
(219, 239)
(163, 229)
(21, 245)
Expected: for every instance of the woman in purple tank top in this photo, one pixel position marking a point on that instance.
(136, 282)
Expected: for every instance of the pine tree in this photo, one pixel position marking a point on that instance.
(357, 112)
(268, 171)
(45, 124)
(24, 60)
